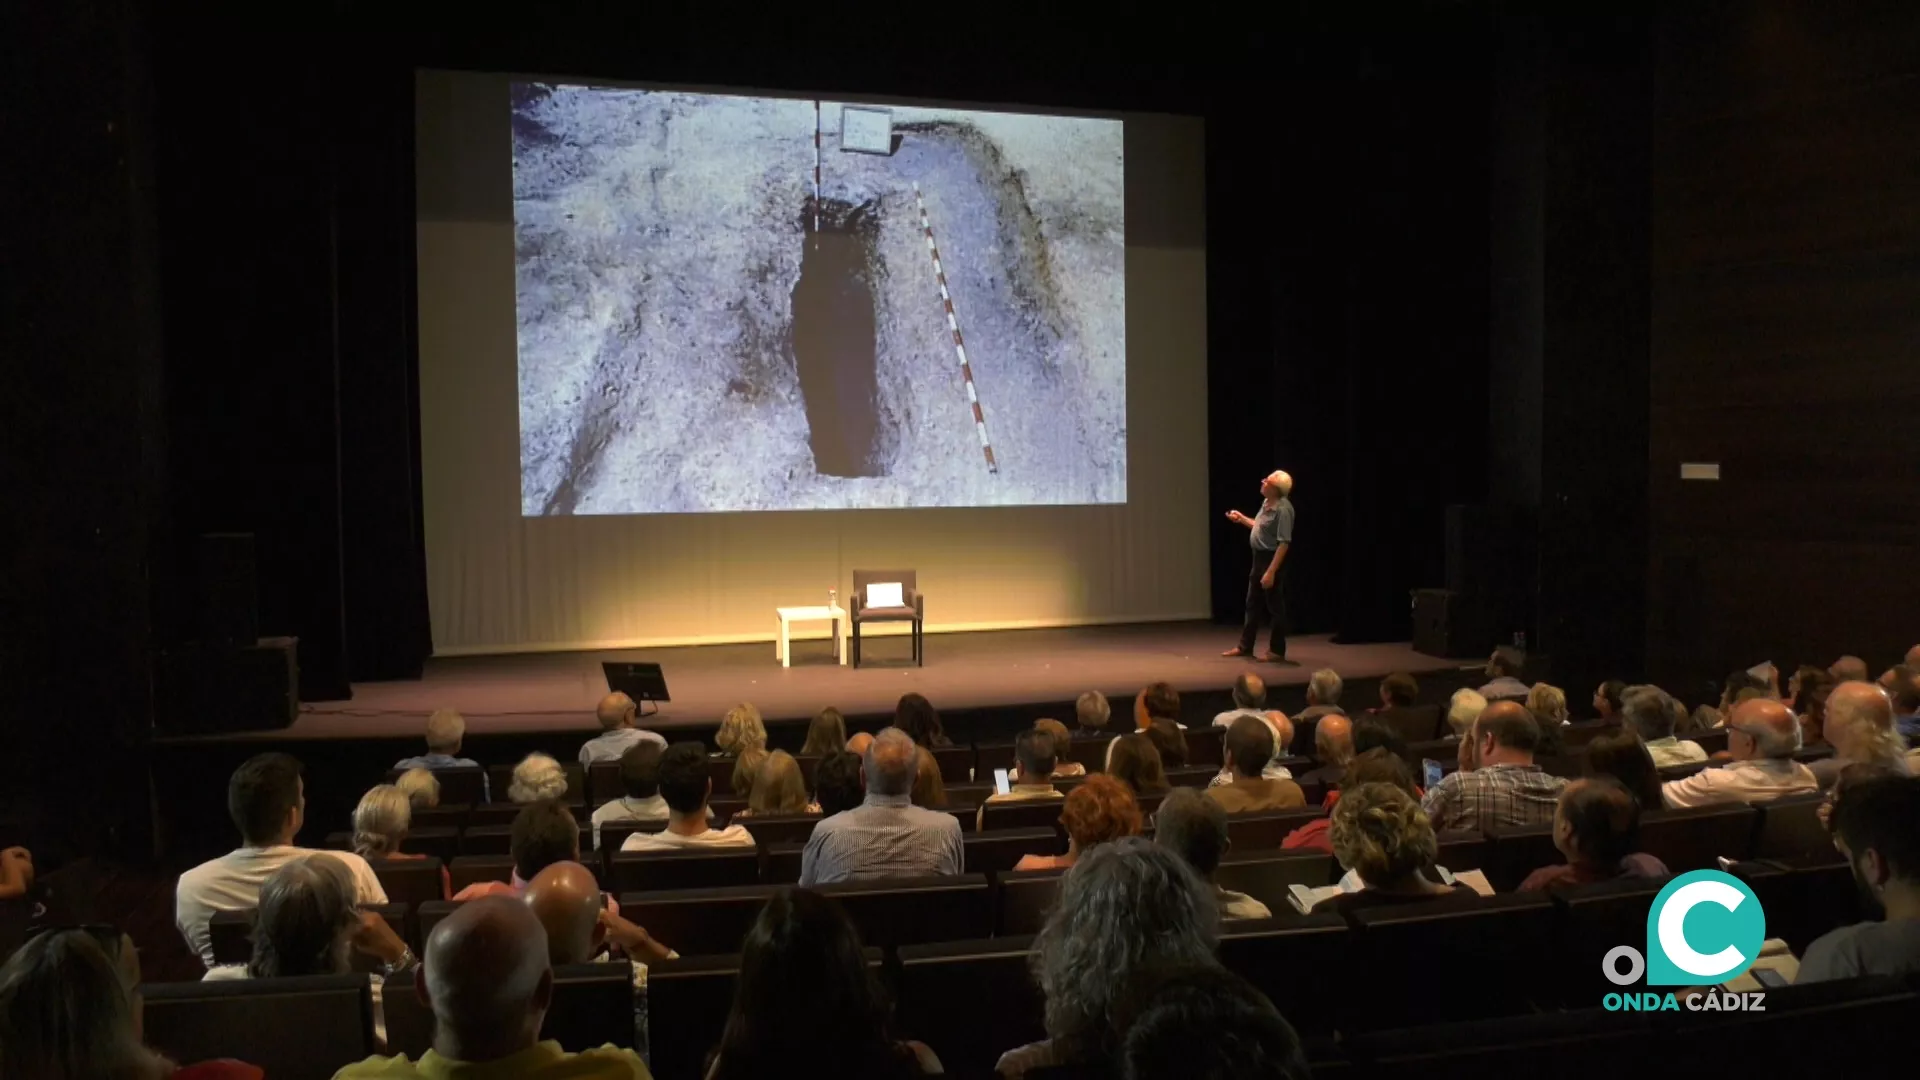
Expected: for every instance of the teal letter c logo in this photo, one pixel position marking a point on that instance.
(1705, 927)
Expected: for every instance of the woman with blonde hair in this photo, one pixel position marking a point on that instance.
(1381, 835)
(929, 790)
(827, 734)
(778, 788)
(537, 778)
(380, 825)
(421, 786)
(1548, 704)
(743, 737)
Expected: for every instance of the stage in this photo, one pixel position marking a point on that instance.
(528, 693)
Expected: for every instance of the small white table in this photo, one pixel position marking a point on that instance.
(816, 613)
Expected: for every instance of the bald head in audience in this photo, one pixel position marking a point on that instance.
(1849, 669)
(1913, 657)
(1282, 731)
(487, 979)
(1333, 739)
(1762, 728)
(616, 710)
(859, 743)
(566, 899)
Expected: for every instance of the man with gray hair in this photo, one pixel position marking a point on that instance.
(446, 729)
(1859, 724)
(1762, 736)
(1270, 538)
(1463, 709)
(1651, 713)
(1249, 699)
(1503, 675)
(1091, 713)
(618, 733)
(1324, 688)
(886, 835)
(1195, 828)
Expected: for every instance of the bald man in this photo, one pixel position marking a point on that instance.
(1270, 535)
(1859, 725)
(616, 713)
(1902, 685)
(1849, 669)
(1762, 736)
(860, 743)
(1332, 748)
(489, 982)
(1498, 782)
(566, 898)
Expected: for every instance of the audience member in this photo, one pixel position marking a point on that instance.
(1062, 743)
(544, 833)
(858, 743)
(1135, 761)
(1383, 837)
(640, 786)
(1248, 748)
(1596, 828)
(619, 733)
(1762, 736)
(1462, 710)
(1195, 828)
(489, 983)
(805, 990)
(70, 1009)
(1377, 766)
(1913, 657)
(886, 836)
(686, 787)
(826, 733)
(929, 788)
(1166, 738)
(267, 801)
(1902, 685)
(779, 789)
(837, 784)
(1324, 688)
(1373, 732)
(1503, 675)
(1126, 909)
(1812, 687)
(16, 873)
(446, 729)
(916, 716)
(566, 898)
(1034, 761)
(1158, 701)
(537, 778)
(1876, 825)
(1206, 1023)
(380, 825)
(421, 786)
(1848, 669)
(1502, 785)
(1398, 691)
(1249, 699)
(1608, 699)
(1622, 756)
(1650, 712)
(1097, 811)
(741, 729)
(1859, 724)
(1091, 713)
(746, 770)
(1548, 704)
(1702, 719)
(1332, 749)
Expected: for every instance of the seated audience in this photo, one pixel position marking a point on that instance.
(1383, 837)
(805, 988)
(1703, 718)
(1548, 704)
(1135, 761)
(446, 729)
(1876, 825)
(1503, 675)
(1248, 748)
(1650, 712)
(1126, 909)
(1902, 685)
(837, 783)
(1608, 699)
(916, 716)
(1740, 687)
(619, 730)
(640, 784)
(268, 803)
(1159, 701)
(858, 743)
(421, 786)
(929, 789)
(380, 826)
(780, 788)
(1398, 691)
(1762, 736)
(1324, 688)
(536, 779)
(1848, 669)
(1462, 710)
(544, 833)
(1596, 828)
(1195, 828)
(1622, 756)
(1498, 783)
(1859, 724)
(1033, 772)
(743, 738)
(1205, 1023)
(16, 873)
(1062, 741)
(1091, 713)
(1913, 657)
(1807, 694)
(686, 787)
(1249, 699)
(886, 835)
(1370, 732)
(1099, 810)
(1377, 766)
(826, 733)
(566, 898)
(1166, 738)
(488, 981)
(1332, 749)
(746, 770)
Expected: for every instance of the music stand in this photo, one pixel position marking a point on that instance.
(639, 681)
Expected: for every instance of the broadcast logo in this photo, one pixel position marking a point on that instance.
(1704, 928)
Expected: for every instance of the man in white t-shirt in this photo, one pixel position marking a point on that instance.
(268, 803)
(617, 714)
(686, 785)
(640, 779)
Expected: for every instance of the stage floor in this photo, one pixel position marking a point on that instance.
(557, 691)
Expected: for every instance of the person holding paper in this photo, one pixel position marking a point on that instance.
(1270, 534)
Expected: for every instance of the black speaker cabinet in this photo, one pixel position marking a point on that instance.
(1440, 624)
(229, 602)
(204, 688)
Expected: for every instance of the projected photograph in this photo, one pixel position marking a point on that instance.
(734, 303)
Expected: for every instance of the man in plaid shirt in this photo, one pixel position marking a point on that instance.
(1498, 783)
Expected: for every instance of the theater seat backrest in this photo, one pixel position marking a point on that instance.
(298, 1029)
(1023, 814)
(1265, 830)
(779, 828)
(592, 1005)
(956, 763)
(603, 783)
(1486, 951)
(697, 922)
(1025, 900)
(1694, 839)
(914, 911)
(1267, 879)
(1591, 920)
(460, 784)
(998, 850)
(971, 1000)
(469, 869)
(1516, 851)
(1791, 827)
(780, 863)
(687, 1005)
(655, 872)
(1296, 960)
(409, 881)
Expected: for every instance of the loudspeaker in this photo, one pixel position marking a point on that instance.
(1439, 623)
(229, 603)
(201, 688)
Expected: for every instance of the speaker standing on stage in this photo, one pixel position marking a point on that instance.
(1271, 535)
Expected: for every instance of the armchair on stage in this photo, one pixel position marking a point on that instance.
(910, 607)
